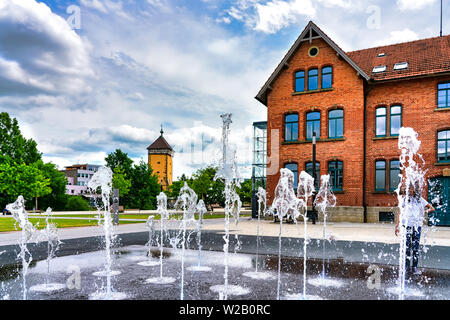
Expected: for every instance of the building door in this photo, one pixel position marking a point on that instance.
(439, 197)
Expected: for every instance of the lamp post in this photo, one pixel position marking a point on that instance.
(314, 176)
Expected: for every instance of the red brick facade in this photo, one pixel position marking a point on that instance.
(351, 91)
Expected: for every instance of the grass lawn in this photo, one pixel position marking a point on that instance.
(7, 224)
(136, 216)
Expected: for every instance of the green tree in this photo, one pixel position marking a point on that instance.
(14, 145)
(26, 180)
(58, 198)
(121, 182)
(144, 187)
(119, 158)
(207, 188)
(245, 191)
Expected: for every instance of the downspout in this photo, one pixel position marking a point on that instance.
(366, 91)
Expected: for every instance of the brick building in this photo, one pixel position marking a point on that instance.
(356, 102)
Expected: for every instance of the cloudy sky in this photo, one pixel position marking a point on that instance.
(85, 77)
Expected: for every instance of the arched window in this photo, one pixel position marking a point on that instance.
(335, 124)
(327, 77)
(336, 172)
(313, 79)
(395, 120)
(300, 81)
(380, 122)
(309, 170)
(380, 175)
(294, 168)
(312, 125)
(443, 150)
(291, 127)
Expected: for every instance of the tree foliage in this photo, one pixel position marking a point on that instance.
(14, 145)
(21, 179)
(245, 191)
(120, 181)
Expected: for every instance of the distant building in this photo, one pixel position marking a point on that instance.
(78, 176)
(160, 155)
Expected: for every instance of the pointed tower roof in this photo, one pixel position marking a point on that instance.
(160, 144)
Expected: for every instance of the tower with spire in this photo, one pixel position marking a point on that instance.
(160, 155)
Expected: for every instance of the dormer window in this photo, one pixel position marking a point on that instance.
(379, 69)
(381, 55)
(401, 66)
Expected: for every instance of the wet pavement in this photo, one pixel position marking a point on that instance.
(350, 278)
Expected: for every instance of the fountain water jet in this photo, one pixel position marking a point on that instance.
(262, 209)
(412, 181)
(164, 216)
(201, 210)
(50, 234)
(286, 205)
(149, 262)
(325, 199)
(19, 214)
(187, 200)
(102, 180)
(229, 173)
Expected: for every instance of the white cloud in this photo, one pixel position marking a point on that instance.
(413, 4)
(39, 52)
(277, 14)
(399, 36)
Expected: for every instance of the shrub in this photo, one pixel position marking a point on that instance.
(77, 203)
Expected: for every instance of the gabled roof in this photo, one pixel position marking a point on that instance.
(311, 32)
(160, 144)
(424, 57)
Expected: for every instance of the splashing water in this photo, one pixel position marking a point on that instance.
(187, 200)
(229, 173)
(286, 205)
(305, 190)
(150, 226)
(262, 211)
(408, 191)
(19, 214)
(324, 199)
(102, 180)
(201, 210)
(161, 200)
(49, 234)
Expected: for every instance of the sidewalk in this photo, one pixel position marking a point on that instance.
(380, 233)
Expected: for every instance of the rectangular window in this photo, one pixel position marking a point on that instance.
(312, 125)
(327, 77)
(300, 81)
(313, 79)
(380, 176)
(444, 95)
(395, 120)
(443, 150)
(394, 175)
(294, 168)
(380, 124)
(308, 167)
(336, 172)
(335, 124)
(291, 127)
